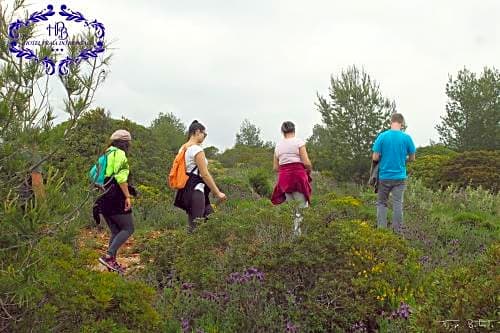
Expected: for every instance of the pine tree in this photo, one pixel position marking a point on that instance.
(472, 120)
(353, 114)
(249, 135)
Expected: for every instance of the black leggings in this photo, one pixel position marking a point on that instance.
(121, 226)
(198, 210)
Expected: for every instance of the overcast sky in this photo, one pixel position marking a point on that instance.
(223, 61)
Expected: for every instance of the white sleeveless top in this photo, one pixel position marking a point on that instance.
(191, 163)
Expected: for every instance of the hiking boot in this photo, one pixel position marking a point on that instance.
(110, 263)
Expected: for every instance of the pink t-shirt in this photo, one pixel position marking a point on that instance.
(287, 150)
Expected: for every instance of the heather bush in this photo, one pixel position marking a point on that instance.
(474, 169)
(243, 268)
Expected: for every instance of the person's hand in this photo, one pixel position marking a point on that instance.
(221, 196)
(128, 204)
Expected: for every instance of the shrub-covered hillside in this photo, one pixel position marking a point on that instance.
(243, 270)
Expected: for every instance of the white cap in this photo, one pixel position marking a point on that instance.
(121, 135)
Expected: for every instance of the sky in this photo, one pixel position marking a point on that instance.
(266, 60)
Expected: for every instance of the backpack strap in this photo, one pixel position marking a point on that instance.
(110, 178)
(192, 171)
(185, 147)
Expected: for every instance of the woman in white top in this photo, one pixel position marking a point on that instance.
(194, 197)
(294, 167)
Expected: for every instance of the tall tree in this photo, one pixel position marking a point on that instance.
(169, 131)
(249, 135)
(472, 120)
(353, 114)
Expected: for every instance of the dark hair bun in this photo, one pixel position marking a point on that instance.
(288, 127)
(195, 126)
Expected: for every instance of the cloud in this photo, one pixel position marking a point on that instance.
(223, 61)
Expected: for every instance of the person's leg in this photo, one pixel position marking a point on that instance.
(197, 209)
(126, 225)
(113, 228)
(301, 199)
(109, 259)
(382, 196)
(397, 206)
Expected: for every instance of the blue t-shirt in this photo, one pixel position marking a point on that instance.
(393, 147)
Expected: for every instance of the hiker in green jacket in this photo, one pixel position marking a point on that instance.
(115, 204)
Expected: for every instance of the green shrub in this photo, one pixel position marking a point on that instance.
(468, 218)
(464, 293)
(437, 222)
(58, 293)
(235, 188)
(260, 181)
(428, 169)
(247, 157)
(435, 149)
(474, 168)
(322, 183)
(476, 220)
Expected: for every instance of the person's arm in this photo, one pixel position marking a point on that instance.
(305, 158)
(121, 172)
(377, 146)
(411, 150)
(276, 164)
(206, 176)
(128, 201)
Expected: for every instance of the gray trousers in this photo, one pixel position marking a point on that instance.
(397, 188)
(121, 226)
(297, 196)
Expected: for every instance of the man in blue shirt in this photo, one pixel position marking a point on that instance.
(392, 148)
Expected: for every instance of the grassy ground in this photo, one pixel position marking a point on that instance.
(341, 275)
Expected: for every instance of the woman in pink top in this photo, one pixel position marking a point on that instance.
(294, 168)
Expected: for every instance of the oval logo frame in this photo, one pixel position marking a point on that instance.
(49, 63)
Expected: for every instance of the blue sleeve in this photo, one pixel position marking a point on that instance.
(377, 145)
(410, 147)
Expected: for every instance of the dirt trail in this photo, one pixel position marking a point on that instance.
(98, 238)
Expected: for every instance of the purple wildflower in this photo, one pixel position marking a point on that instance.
(224, 297)
(359, 327)
(248, 275)
(221, 297)
(424, 260)
(290, 327)
(209, 296)
(403, 311)
(187, 286)
(185, 325)
(252, 270)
